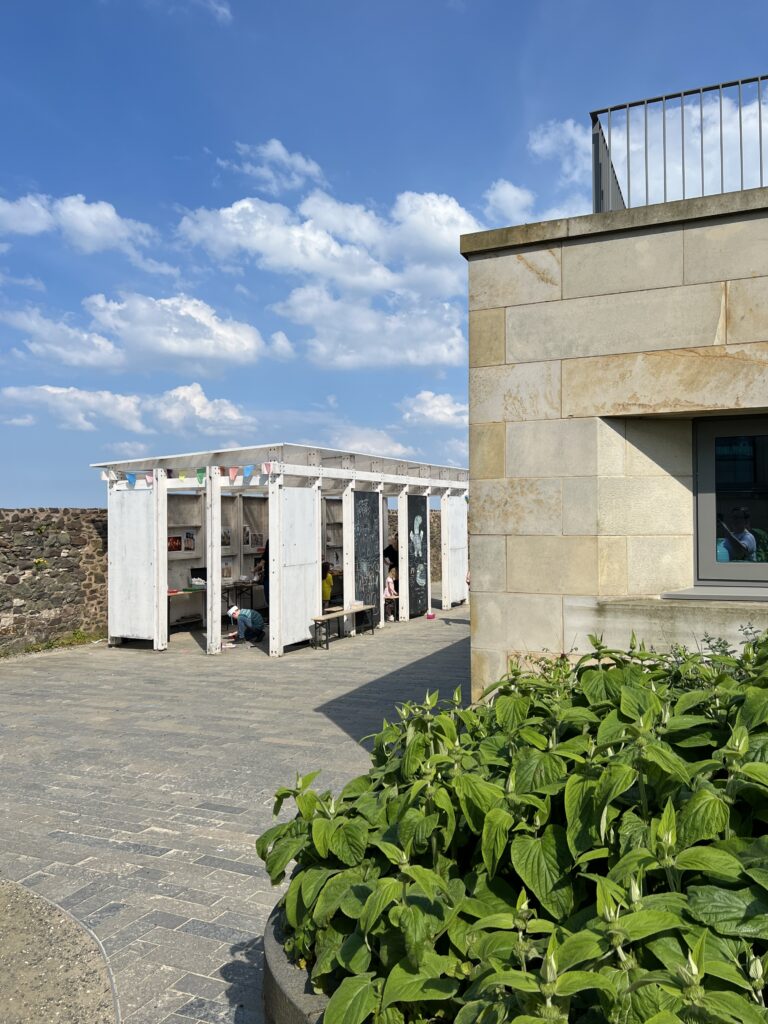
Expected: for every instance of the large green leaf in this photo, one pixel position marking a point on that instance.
(756, 772)
(704, 816)
(535, 770)
(754, 710)
(405, 984)
(353, 1001)
(385, 891)
(669, 762)
(496, 828)
(579, 947)
(349, 841)
(416, 934)
(739, 912)
(730, 1008)
(580, 814)
(477, 797)
(427, 880)
(312, 880)
(332, 894)
(511, 712)
(571, 982)
(643, 923)
(717, 863)
(354, 955)
(280, 856)
(322, 830)
(637, 701)
(543, 864)
(443, 802)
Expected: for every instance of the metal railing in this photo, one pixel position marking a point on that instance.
(694, 143)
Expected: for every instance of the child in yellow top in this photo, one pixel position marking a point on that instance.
(327, 579)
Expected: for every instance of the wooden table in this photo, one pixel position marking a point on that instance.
(322, 623)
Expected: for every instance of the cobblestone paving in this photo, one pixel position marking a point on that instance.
(133, 785)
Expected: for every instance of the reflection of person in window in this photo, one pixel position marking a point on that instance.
(737, 539)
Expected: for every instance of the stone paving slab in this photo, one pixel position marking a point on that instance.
(133, 785)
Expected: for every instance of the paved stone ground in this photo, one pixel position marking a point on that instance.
(133, 785)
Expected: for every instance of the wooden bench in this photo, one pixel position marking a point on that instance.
(322, 623)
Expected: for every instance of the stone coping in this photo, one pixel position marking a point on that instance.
(639, 217)
(288, 995)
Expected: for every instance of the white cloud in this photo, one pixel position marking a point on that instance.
(456, 451)
(20, 421)
(281, 242)
(220, 9)
(368, 441)
(273, 167)
(349, 333)
(350, 222)
(21, 282)
(570, 144)
(88, 227)
(78, 409)
(509, 203)
(183, 409)
(51, 339)
(188, 406)
(281, 346)
(178, 326)
(128, 449)
(439, 410)
(29, 215)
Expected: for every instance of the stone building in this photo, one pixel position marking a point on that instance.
(618, 421)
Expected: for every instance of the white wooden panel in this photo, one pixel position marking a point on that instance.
(132, 548)
(299, 587)
(455, 520)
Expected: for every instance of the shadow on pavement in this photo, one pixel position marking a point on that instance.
(361, 712)
(244, 973)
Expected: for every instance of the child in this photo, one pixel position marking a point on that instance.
(390, 592)
(325, 573)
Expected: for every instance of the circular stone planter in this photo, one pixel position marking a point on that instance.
(288, 995)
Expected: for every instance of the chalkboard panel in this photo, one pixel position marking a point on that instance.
(418, 554)
(368, 585)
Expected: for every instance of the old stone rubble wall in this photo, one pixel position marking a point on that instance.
(53, 574)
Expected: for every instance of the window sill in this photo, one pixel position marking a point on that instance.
(747, 595)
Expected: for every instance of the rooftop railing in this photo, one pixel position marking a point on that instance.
(694, 143)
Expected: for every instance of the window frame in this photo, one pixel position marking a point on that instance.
(710, 572)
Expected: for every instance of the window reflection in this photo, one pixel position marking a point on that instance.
(741, 491)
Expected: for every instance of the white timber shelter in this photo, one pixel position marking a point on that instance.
(219, 508)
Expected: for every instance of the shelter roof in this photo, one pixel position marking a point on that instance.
(290, 454)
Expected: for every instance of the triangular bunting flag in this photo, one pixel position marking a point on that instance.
(233, 471)
(150, 478)
(182, 474)
(200, 475)
(247, 471)
(131, 478)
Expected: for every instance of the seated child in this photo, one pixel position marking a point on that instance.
(325, 573)
(250, 624)
(390, 592)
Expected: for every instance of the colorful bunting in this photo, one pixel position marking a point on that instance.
(266, 468)
(247, 471)
(131, 478)
(200, 475)
(233, 471)
(182, 474)
(150, 478)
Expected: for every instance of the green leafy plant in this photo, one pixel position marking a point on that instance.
(587, 845)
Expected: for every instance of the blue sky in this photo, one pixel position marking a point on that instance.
(229, 222)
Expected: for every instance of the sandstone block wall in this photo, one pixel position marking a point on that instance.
(53, 574)
(594, 344)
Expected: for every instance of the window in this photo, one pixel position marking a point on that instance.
(732, 501)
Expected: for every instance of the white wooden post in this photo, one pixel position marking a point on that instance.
(160, 497)
(348, 558)
(275, 535)
(213, 558)
(428, 552)
(445, 551)
(318, 488)
(402, 555)
(112, 641)
(382, 581)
